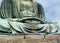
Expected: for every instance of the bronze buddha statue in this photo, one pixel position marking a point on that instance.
(24, 17)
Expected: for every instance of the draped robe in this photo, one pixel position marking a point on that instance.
(24, 17)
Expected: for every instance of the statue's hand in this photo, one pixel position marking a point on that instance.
(13, 19)
(31, 18)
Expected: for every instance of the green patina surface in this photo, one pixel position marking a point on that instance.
(24, 17)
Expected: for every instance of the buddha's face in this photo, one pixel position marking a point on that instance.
(27, 10)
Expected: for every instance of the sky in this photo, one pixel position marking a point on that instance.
(51, 9)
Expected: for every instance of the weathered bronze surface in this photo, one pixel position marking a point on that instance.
(19, 17)
(23, 21)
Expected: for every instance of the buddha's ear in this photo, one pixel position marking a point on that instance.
(41, 13)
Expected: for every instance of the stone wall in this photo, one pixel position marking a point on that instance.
(30, 39)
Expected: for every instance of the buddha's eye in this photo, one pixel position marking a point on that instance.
(31, 9)
(22, 7)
